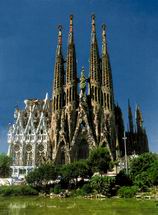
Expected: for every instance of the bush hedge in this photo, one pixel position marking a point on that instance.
(128, 192)
(14, 190)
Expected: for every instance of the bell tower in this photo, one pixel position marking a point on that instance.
(107, 96)
(71, 81)
(95, 80)
(58, 91)
(58, 95)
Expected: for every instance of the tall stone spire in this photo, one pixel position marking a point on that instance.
(139, 118)
(142, 140)
(71, 82)
(58, 74)
(94, 55)
(71, 67)
(107, 86)
(130, 118)
(107, 96)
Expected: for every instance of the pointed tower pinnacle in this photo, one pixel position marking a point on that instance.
(93, 28)
(58, 74)
(107, 86)
(71, 30)
(71, 67)
(104, 45)
(46, 97)
(95, 73)
(130, 118)
(60, 35)
(94, 54)
(139, 118)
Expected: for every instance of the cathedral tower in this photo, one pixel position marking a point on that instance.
(107, 96)
(71, 82)
(141, 137)
(58, 95)
(95, 79)
(130, 118)
(58, 92)
(107, 86)
(130, 133)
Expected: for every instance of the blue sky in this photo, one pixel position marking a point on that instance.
(28, 38)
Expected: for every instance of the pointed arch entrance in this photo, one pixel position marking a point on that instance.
(60, 158)
(82, 149)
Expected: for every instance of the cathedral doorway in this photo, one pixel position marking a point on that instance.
(61, 154)
(82, 150)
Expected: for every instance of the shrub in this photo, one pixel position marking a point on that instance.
(142, 163)
(153, 173)
(87, 189)
(123, 179)
(100, 160)
(27, 190)
(103, 185)
(127, 192)
(42, 175)
(143, 181)
(13, 190)
(5, 162)
(57, 189)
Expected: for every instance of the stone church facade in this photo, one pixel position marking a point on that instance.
(28, 137)
(73, 122)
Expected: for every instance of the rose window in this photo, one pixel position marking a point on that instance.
(28, 147)
(40, 147)
(16, 147)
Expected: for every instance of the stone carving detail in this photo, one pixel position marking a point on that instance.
(28, 137)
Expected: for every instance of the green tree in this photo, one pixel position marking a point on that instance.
(71, 172)
(143, 181)
(144, 170)
(122, 179)
(5, 162)
(100, 160)
(153, 173)
(82, 169)
(142, 163)
(103, 185)
(128, 192)
(42, 175)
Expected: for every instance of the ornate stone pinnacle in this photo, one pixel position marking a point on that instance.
(60, 27)
(60, 35)
(104, 27)
(71, 23)
(93, 23)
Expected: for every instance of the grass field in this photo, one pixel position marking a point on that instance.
(77, 206)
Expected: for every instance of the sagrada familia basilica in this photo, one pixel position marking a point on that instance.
(70, 124)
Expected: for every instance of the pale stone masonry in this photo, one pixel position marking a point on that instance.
(28, 137)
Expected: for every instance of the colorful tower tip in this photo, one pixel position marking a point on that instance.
(93, 23)
(60, 27)
(71, 16)
(103, 27)
(93, 17)
(60, 35)
(71, 23)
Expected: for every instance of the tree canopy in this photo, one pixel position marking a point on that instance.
(5, 162)
(100, 160)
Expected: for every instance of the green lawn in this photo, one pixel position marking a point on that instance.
(46, 206)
